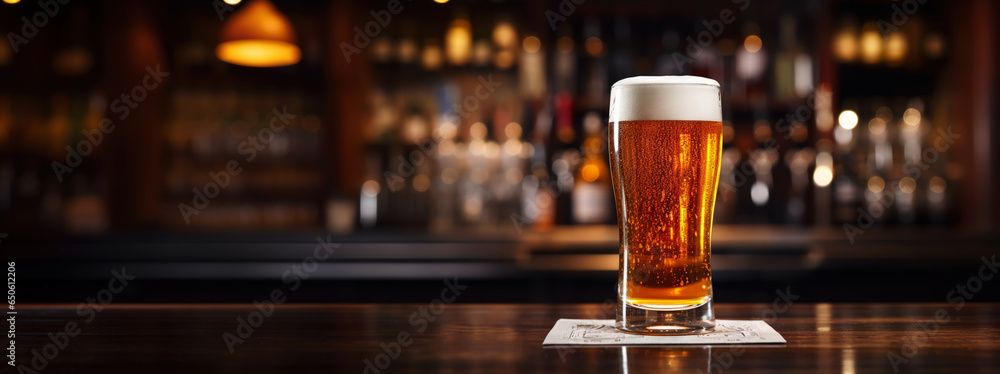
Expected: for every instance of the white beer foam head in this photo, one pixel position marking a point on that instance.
(666, 98)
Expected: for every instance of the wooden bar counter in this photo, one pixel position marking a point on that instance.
(488, 338)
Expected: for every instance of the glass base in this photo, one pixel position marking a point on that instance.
(696, 320)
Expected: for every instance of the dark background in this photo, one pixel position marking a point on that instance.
(119, 207)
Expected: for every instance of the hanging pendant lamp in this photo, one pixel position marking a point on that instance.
(258, 35)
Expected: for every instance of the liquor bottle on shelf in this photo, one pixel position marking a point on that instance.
(482, 48)
(751, 64)
(474, 190)
(563, 117)
(798, 161)
(532, 80)
(592, 187)
(565, 157)
(730, 175)
(538, 207)
(793, 67)
(784, 60)
(369, 204)
(596, 86)
(505, 42)
(406, 203)
(407, 48)
(85, 210)
(564, 62)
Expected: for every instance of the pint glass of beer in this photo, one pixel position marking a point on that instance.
(665, 142)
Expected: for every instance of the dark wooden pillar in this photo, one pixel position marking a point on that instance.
(974, 60)
(349, 86)
(132, 49)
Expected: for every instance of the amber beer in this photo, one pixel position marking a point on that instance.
(665, 146)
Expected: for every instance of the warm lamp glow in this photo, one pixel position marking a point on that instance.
(504, 35)
(258, 35)
(258, 53)
(871, 44)
(907, 185)
(590, 172)
(370, 188)
(876, 126)
(407, 50)
(845, 44)
(12, 1)
(531, 44)
(895, 49)
(876, 184)
(513, 130)
(421, 183)
(482, 52)
(934, 45)
(232, 2)
(432, 57)
(911, 117)
(6, 54)
(594, 46)
(565, 44)
(478, 130)
(753, 44)
(848, 119)
(938, 185)
(504, 58)
(823, 175)
(458, 42)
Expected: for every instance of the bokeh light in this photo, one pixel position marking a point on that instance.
(531, 44)
(876, 184)
(753, 44)
(848, 119)
(594, 46)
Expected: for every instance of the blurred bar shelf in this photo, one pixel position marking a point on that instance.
(490, 254)
(564, 265)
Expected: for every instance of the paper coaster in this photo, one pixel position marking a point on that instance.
(603, 332)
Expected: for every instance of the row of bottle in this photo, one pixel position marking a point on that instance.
(475, 163)
(36, 131)
(221, 125)
(539, 171)
(585, 60)
(252, 155)
(895, 161)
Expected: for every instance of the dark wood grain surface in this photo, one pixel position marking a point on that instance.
(485, 338)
